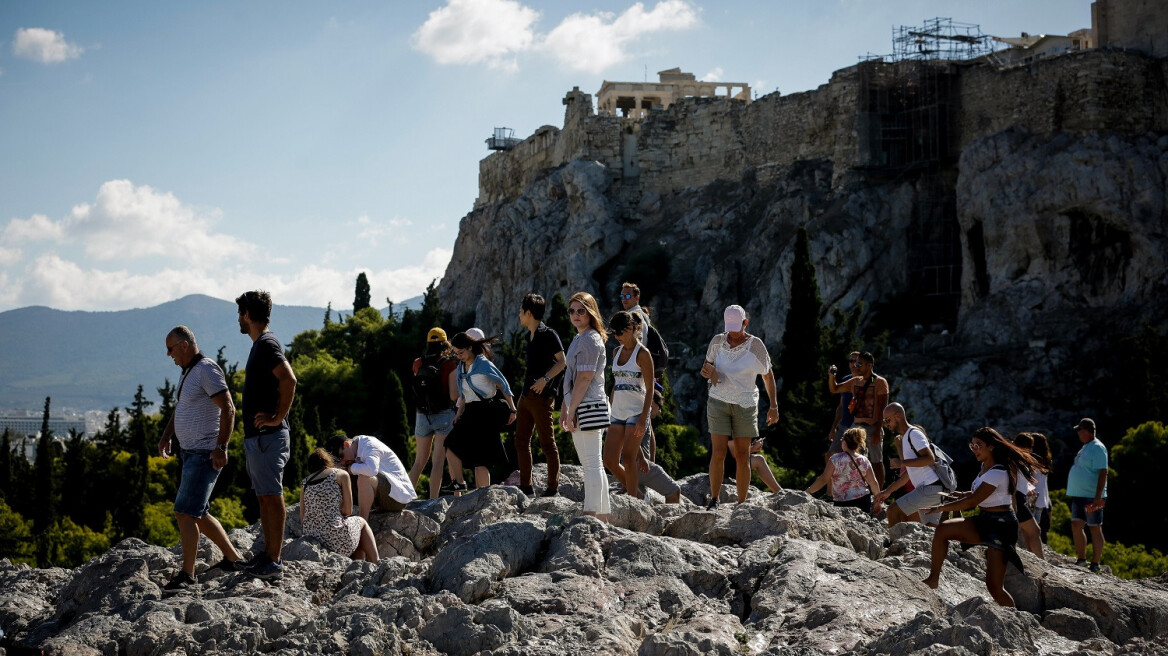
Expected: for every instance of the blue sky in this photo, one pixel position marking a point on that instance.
(157, 149)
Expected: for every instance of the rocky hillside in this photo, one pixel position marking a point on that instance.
(496, 573)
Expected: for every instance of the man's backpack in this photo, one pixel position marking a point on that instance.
(657, 349)
(430, 391)
(942, 465)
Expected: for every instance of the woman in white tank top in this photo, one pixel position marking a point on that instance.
(632, 374)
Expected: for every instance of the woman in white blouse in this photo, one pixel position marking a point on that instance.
(995, 525)
(734, 361)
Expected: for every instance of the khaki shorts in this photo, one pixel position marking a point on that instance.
(383, 500)
(730, 419)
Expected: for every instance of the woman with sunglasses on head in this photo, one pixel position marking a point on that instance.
(1039, 501)
(995, 525)
(585, 413)
(632, 400)
(734, 361)
(1025, 492)
(474, 441)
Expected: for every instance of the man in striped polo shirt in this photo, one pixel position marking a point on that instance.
(203, 418)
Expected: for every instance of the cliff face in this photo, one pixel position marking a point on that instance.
(496, 573)
(1030, 225)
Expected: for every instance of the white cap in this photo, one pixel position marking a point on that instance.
(475, 334)
(734, 317)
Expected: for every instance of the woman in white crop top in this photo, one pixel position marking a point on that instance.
(995, 525)
(632, 401)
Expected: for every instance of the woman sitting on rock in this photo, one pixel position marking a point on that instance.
(485, 406)
(995, 526)
(326, 510)
(585, 413)
(852, 480)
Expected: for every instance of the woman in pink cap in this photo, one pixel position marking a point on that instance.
(734, 361)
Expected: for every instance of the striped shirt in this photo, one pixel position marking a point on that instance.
(196, 416)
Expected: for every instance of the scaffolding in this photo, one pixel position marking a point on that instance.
(906, 117)
(503, 139)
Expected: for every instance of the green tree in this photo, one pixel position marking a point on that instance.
(298, 445)
(45, 509)
(158, 525)
(557, 319)
(361, 297)
(6, 464)
(328, 314)
(16, 541)
(72, 545)
(129, 513)
(431, 314)
(396, 429)
(229, 512)
(1135, 469)
(804, 402)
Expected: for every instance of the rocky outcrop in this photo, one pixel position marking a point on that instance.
(497, 573)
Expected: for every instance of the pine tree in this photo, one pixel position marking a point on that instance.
(6, 464)
(362, 297)
(557, 318)
(804, 400)
(328, 314)
(130, 514)
(298, 445)
(431, 314)
(44, 510)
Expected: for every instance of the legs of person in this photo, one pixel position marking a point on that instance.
(482, 477)
(588, 450)
(421, 456)
(742, 467)
(758, 465)
(547, 441)
(1096, 542)
(614, 444)
(454, 464)
(1031, 538)
(190, 503)
(907, 507)
(876, 450)
(272, 521)
(524, 426)
(1078, 526)
(437, 461)
(367, 547)
(718, 445)
(1044, 522)
(629, 453)
(210, 527)
(963, 530)
(896, 516)
(366, 495)
(996, 577)
(188, 533)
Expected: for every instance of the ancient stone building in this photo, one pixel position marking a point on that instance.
(635, 99)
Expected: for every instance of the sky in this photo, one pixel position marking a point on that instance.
(150, 150)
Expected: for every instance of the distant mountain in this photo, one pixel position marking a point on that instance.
(96, 360)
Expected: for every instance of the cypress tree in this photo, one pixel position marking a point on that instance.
(44, 509)
(361, 297)
(396, 426)
(557, 319)
(6, 464)
(298, 446)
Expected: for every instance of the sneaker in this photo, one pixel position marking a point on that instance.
(712, 503)
(1094, 567)
(455, 486)
(527, 489)
(549, 493)
(258, 558)
(268, 571)
(226, 566)
(181, 581)
(1080, 563)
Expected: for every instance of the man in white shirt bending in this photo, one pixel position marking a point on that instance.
(916, 457)
(381, 476)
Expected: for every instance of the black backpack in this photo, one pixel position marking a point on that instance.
(657, 349)
(430, 390)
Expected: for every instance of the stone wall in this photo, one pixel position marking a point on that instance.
(1140, 25)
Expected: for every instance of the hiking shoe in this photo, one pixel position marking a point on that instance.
(549, 493)
(1080, 563)
(226, 566)
(268, 571)
(181, 581)
(527, 489)
(455, 486)
(1094, 567)
(712, 503)
(257, 559)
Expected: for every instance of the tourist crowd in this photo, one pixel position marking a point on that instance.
(464, 401)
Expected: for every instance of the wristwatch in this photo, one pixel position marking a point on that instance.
(546, 379)
(221, 447)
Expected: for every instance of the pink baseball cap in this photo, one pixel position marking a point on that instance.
(734, 317)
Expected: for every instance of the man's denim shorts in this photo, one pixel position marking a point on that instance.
(266, 456)
(1079, 511)
(439, 423)
(198, 479)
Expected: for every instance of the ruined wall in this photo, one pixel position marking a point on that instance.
(1079, 92)
(1140, 25)
(504, 174)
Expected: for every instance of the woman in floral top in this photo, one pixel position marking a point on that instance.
(852, 480)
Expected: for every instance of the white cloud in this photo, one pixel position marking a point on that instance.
(594, 42)
(714, 75)
(495, 32)
(36, 228)
(44, 46)
(370, 231)
(9, 256)
(477, 31)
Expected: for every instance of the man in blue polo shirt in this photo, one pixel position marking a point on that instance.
(1087, 493)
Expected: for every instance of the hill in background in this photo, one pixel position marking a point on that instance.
(96, 360)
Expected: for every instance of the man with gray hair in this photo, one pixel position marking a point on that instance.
(203, 418)
(917, 458)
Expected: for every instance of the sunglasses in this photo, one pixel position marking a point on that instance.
(169, 349)
(626, 297)
(974, 446)
(854, 362)
(577, 311)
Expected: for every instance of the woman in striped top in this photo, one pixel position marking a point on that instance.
(585, 411)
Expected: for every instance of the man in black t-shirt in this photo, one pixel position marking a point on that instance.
(268, 389)
(545, 361)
